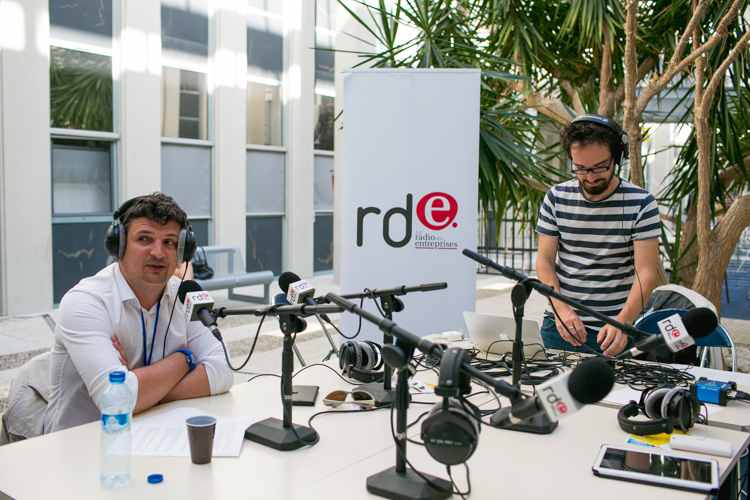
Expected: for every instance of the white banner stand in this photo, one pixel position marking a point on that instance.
(409, 192)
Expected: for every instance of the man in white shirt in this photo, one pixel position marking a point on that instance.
(118, 320)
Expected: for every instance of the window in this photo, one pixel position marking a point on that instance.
(81, 177)
(186, 150)
(265, 205)
(184, 104)
(323, 204)
(184, 45)
(83, 136)
(265, 66)
(325, 93)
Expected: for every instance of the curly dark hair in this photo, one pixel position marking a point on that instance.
(585, 133)
(156, 207)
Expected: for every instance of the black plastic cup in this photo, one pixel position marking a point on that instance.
(201, 432)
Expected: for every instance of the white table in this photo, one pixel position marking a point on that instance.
(352, 447)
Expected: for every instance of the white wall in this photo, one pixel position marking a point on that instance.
(300, 214)
(25, 170)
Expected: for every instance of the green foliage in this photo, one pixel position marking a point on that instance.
(679, 258)
(80, 90)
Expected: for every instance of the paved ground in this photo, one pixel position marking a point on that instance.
(22, 338)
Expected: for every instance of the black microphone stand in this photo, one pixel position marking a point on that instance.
(283, 434)
(398, 482)
(538, 424)
(383, 394)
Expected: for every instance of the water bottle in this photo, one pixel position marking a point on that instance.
(114, 462)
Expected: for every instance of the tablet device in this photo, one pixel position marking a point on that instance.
(658, 467)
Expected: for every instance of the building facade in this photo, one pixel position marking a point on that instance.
(226, 105)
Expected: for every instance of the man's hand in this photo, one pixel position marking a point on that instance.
(571, 329)
(612, 340)
(121, 350)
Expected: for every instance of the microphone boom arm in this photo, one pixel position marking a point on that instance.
(548, 291)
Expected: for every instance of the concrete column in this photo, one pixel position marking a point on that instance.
(138, 113)
(25, 169)
(346, 29)
(299, 99)
(229, 77)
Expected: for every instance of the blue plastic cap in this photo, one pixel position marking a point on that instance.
(155, 478)
(117, 376)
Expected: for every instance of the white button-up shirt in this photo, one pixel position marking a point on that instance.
(83, 355)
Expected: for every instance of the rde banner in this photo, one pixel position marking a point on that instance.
(409, 192)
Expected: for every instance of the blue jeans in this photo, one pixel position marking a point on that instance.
(553, 340)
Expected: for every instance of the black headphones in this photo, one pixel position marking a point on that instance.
(451, 430)
(116, 239)
(361, 361)
(623, 154)
(669, 409)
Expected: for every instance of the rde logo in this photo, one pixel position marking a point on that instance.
(561, 407)
(435, 211)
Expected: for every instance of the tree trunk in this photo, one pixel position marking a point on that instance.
(715, 256)
(632, 121)
(686, 277)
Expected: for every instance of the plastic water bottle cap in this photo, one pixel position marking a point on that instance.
(117, 376)
(155, 478)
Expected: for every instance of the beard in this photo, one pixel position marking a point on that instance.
(597, 189)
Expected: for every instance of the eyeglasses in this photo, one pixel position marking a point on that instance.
(595, 170)
(360, 398)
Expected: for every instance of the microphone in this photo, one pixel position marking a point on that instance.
(565, 394)
(677, 333)
(198, 305)
(298, 291)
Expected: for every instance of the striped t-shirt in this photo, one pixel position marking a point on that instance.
(594, 253)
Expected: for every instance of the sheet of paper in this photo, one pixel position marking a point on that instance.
(165, 435)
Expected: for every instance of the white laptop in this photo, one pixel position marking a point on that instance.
(495, 334)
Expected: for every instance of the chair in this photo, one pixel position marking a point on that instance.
(717, 338)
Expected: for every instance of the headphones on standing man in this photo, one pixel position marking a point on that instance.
(116, 238)
(623, 153)
(451, 430)
(668, 409)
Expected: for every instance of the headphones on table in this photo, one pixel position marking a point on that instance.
(623, 154)
(116, 238)
(451, 430)
(361, 361)
(669, 409)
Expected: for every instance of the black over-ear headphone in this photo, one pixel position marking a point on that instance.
(361, 361)
(451, 430)
(624, 153)
(116, 239)
(668, 409)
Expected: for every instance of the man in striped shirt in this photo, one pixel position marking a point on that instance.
(594, 232)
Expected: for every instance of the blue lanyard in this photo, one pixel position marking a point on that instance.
(147, 360)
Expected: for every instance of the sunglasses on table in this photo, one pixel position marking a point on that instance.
(360, 398)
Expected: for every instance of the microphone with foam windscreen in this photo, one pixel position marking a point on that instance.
(563, 395)
(198, 305)
(587, 384)
(298, 291)
(677, 333)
